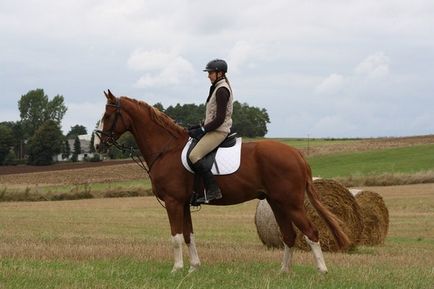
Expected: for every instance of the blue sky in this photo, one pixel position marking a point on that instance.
(320, 68)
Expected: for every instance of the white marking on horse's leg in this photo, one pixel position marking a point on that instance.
(194, 257)
(287, 259)
(177, 252)
(317, 254)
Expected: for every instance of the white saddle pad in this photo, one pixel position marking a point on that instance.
(227, 160)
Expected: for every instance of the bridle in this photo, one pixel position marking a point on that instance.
(135, 155)
(110, 134)
(111, 140)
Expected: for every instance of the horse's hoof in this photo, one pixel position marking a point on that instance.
(193, 269)
(175, 269)
(323, 271)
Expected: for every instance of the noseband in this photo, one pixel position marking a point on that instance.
(110, 134)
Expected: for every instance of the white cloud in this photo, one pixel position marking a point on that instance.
(84, 113)
(310, 56)
(241, 54)
(333, 125)
(374, 66)
(150, 60)
(331, 84)
(161, 68)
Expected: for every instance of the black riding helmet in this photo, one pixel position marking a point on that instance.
(217, 65)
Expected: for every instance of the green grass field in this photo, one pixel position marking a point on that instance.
(403, 160)
(125, 243)
(354, 162)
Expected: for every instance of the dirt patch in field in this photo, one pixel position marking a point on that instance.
(369, 144)
(24, 169)
(92, 174)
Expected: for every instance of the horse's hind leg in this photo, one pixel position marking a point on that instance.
(298, 216)
(189, 239)
(288, 235)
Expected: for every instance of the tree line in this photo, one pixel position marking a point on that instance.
(37, 136)
(248, 121)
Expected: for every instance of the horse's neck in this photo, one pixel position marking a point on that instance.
(151, 138)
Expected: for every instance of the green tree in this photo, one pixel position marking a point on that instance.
(66, 150)
(92, 143)
(75, 131)
(7, 142)
(45, 143)
(126, 140)
(186, 114)
(250, 121)
(159, 106)
(11, 158)
(18, 137)
(77, 149)
(35, 109)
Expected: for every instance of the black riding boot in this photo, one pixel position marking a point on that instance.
(212, 190)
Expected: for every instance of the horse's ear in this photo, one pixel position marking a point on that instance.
(110, 97)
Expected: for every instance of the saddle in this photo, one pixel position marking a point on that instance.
(224, 160)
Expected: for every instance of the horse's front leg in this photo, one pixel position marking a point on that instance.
(189, 239)
(175, 211)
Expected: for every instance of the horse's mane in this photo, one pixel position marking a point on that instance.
(158, 117)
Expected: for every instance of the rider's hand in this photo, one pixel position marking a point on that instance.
(196, 132)
(191, 127)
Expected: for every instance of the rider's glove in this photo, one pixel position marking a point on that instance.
(196, 132)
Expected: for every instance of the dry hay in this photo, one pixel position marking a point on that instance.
(375, 216)
(336, 198)
(266, 225)
(340, 202)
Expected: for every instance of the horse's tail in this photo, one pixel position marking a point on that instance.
(332, 221)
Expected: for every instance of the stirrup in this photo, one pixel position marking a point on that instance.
(206, 200)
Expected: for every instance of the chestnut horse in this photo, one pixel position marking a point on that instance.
(268, 169)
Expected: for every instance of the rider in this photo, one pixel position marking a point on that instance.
(215, 128)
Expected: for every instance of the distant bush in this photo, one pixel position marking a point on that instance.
(77, 193)
(387, 179)
(71, 196)
(96, 158)
(129, 193)
(11, 159)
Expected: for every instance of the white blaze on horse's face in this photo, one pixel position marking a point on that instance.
(100, 127)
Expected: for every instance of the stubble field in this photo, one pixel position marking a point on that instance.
(125, 242)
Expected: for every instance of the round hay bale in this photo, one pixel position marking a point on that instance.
(335, 197)
(266, 225)
(340, 202)
(375, 216)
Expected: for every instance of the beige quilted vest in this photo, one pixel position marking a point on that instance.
(211, 108)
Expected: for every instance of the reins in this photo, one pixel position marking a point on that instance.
(133, 153)
(136, 157)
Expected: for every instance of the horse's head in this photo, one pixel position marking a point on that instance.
(112, 124)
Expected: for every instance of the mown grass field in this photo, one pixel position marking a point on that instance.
(125, 243)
